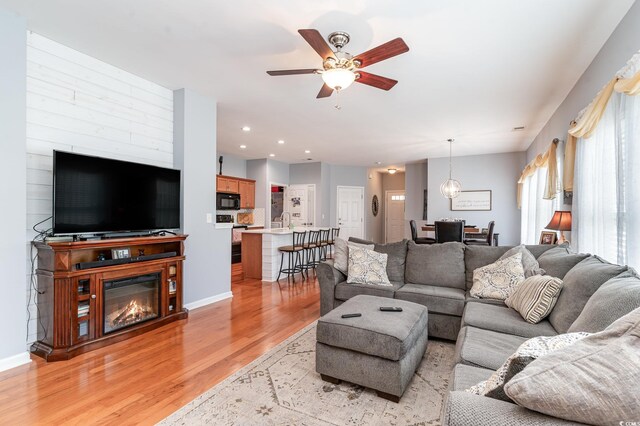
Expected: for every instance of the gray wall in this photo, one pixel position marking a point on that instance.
(415, 177)
(232, 166)
(374, 224)
(278, 172)
(497, 172)
(207, 270)
(257, 170)
(345, 176)
(325, 217)
(621, 46)
(13, 78)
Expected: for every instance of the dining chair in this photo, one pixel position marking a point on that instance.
(447, 231)
(488, 241)
(414, 235)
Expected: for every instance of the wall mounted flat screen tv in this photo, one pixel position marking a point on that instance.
(99, 195)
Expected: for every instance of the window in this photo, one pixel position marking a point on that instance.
(535, 211)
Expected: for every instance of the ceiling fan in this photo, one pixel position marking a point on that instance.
(340, 69)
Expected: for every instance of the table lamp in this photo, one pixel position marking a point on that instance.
(561, 221)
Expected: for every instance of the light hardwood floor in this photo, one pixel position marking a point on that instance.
(146, 378)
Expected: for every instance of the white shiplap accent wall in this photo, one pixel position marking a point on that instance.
(77, 103)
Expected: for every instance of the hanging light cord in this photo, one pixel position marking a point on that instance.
(450, 151)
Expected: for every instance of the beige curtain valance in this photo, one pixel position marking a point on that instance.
(548, 158)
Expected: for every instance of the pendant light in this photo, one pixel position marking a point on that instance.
(450, 188)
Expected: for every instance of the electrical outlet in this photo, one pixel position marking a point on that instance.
(209, 218)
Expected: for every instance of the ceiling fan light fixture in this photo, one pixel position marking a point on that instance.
(338, 78)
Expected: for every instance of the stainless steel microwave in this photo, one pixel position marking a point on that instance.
(225, 201)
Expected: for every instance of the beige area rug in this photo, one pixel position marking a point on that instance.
(282, 388)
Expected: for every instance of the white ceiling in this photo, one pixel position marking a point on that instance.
(475, 69)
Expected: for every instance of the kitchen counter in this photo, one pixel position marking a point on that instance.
(260, 255)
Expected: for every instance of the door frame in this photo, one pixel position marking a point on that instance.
(364, 216)
(386, 210)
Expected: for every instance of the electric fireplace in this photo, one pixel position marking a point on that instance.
(130, 301)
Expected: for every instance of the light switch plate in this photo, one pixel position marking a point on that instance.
(209, 218)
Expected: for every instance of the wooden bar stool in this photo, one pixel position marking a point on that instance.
(312, 244)
(295, 259)
(324, 243)
(335, 233)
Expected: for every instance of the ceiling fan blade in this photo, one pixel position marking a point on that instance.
(384, 51)
(378, 81)
(325, 92)
(293, 72)
(315, 39)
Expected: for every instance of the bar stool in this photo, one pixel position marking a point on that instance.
(310, 247)
(324, 243)
(294, 251)
(335, 233)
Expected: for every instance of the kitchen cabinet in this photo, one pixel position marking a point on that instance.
(245, 187)
(247, 194)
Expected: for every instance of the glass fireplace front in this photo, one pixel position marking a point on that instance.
(130, 301)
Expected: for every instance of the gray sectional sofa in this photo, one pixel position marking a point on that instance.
(487, 332)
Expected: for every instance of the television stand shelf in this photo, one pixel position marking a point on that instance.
(86, 303)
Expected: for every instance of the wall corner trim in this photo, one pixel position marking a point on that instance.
(14, 361)
(208, 300)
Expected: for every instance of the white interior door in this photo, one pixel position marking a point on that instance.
(394, 216)
(301, 204)
(350, 200)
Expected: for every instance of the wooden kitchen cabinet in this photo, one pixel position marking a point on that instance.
(226, 184)
(247, 194)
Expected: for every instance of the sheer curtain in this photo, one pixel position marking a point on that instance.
(535, 211)
(595, 197)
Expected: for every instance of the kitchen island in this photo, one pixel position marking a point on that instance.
(260, 255)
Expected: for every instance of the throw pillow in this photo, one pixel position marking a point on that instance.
(594, 381)
(579, 285)
(529, 262)
(535, 297)
(559, 260)
(614, 299)
(341, 254)
(534, 348)
(367, 267)
(498, 280)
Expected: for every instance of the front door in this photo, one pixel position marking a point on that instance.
(350, 202)
(394, 216)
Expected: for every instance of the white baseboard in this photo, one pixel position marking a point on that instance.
(14, 361)
(209, 300)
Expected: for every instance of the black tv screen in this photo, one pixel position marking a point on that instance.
(100, 195)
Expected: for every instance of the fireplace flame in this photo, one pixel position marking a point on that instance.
(133, 312)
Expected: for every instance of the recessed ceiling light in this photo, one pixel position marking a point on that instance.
(243, 147)
(281, 142)
(306, 151)
(378, 162)
(272, 155)
(246, 128)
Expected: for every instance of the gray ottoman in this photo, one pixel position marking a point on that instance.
(379, 350)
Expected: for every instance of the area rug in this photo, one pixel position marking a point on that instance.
(282, 388)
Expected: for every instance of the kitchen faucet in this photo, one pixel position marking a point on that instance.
(288, 217)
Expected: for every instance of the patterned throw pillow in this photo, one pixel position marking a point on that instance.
(535, 297)
(341, 253)
(529, 262)
(499, 279)
(367, 267)
(534, 348)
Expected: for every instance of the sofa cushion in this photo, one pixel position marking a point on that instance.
(614, 299)
(504, 320)
(535, 297)
(367, 267)
(341, 254)
(442, 300)
(465, 376)
(529, 262)
(559, 260)
(388, 335)
(499, 279)
(579, 285)
(435, 264)
(470, 299)
(396, 260)
(478, 256)
(593, 381)
(485, 348)
(530, 350)
(345, 291)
